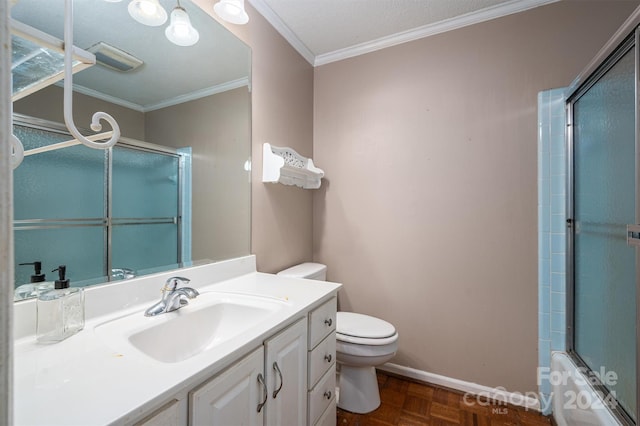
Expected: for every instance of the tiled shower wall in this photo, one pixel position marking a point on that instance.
(551, 232)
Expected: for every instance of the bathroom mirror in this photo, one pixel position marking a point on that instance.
(176, 188)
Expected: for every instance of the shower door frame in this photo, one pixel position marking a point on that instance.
(627, 38)
(108, 222)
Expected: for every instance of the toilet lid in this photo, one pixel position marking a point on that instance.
(363, 326)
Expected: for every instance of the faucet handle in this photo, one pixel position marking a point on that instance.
(169, 287)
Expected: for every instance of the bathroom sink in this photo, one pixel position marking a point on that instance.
(207, 321)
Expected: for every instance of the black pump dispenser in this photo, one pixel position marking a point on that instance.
(37, 277)
(61, 282)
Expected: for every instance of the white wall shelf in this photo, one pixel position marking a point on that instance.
(286, 166)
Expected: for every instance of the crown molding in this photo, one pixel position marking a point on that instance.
(276, 22)
(492, 12)
(487, 14)
(207, 91)
(104, 97)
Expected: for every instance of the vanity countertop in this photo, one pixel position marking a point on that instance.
(84, 380)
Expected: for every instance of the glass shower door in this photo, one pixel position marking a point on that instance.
(604, 202)
(59, 208)
(145, 211)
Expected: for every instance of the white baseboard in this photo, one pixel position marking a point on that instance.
(528, 400)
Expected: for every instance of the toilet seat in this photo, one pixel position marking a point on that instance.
(363, 329)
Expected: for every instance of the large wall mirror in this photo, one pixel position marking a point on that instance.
(175, 190)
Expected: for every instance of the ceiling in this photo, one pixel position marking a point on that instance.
(171, 74)
(322, 31)
(325, 31)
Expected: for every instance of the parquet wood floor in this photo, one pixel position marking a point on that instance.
(409, 403)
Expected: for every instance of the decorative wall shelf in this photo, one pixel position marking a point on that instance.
(286, 166)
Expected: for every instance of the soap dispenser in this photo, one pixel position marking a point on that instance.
(60, 312)
(37, 283)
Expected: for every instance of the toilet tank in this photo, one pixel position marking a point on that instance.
(308, 270)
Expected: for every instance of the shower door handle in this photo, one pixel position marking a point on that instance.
(633, 235)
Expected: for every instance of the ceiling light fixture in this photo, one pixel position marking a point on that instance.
(232, 11)
(148, 12)
(180, 31)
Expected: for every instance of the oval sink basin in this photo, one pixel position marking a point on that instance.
(205, 322)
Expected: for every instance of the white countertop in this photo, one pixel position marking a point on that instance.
(85, 381)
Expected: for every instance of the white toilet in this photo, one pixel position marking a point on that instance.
(362, 343)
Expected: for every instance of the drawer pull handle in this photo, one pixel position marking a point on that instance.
(328, 358)
(275, 367)
(328, 322)
(264, 390)
(328, 394)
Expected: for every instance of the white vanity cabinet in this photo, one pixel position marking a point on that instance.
(286, 371)
(268, 387)
(321, 399)
(255, 338)
(290, 380)
(168, 415)
(235, 397)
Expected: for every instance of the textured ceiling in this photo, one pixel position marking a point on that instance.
(321, 30)
(328, 25)
(324, 31)
(170, 73)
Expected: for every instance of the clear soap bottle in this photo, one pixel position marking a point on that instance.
(60, 311)
(37, 284)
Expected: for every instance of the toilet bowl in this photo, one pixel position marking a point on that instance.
(362, 343)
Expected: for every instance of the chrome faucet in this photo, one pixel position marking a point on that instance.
(173, 298)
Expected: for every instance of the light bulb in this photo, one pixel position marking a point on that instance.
(180, 31)
(148, 12)
(148, 8)
(232, 11)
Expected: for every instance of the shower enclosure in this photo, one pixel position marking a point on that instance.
(105, 214)
(603, 213)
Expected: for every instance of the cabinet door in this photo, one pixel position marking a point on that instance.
(168, 415)
(286, 370)
(233, 397)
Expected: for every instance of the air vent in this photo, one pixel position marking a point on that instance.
(114, 58)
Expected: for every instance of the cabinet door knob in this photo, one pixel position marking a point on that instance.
(328, 358)
(328, 394)
(329, 322)
(264, 389)
(275, 367)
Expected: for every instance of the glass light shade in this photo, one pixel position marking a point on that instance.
(180, 31)
(148, 12)
(232, 11)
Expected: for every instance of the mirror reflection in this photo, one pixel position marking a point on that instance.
(175, 188)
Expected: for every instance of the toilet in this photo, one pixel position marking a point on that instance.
(362, 343)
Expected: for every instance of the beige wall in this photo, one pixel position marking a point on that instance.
(218, 129)
(282, 114)
(428, 215)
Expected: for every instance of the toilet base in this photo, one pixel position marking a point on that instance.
(359, 391)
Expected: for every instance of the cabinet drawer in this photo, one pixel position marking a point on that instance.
(321, 396)
(321, 358)
(322, 321)
(328, 418)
